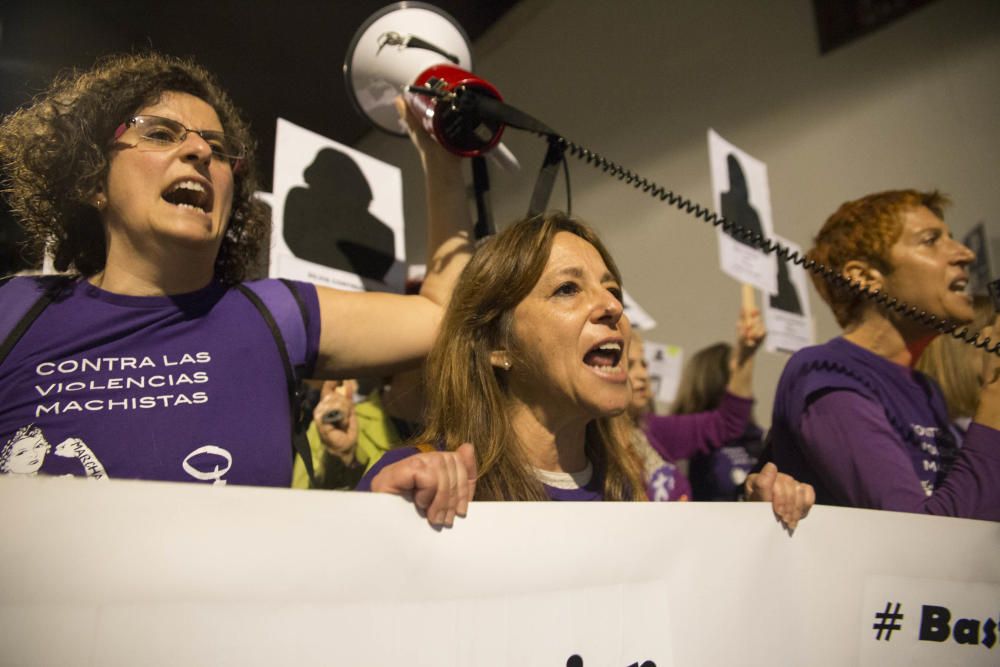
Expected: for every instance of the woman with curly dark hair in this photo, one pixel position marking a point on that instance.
(155, 360)
(57, 154)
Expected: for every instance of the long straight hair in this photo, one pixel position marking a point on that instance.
(950, 363)
(469, 399)
(703, 381)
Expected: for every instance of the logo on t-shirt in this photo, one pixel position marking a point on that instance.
(25, 453)
(206, 463)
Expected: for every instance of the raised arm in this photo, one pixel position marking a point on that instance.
(678, 437)
(750, 333)
(682, 436)
(369, 333)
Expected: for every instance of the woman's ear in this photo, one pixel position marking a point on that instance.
(500, 359)
(860, 271)
(99, 200)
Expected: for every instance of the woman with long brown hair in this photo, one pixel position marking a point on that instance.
(531, 368)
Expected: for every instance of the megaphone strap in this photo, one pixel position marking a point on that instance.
(554, 156)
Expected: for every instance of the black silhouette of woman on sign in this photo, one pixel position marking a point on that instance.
(787, 298)
(736, 202)
(327, 222)
(736, 208)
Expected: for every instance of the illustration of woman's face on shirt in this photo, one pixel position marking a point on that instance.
(26, 453)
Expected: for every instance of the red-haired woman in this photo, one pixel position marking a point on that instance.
(852, 417)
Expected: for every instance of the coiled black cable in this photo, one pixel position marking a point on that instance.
(769, 246)
(488, 107)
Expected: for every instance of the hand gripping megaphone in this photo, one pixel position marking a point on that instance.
(418, 50)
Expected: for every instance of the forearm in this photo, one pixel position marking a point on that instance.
(861, 459)
(972, 487)
(682, 436)
(449, 225)
(741, 379)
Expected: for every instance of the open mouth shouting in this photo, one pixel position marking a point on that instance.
(961, 286)
(190, 194)
(605, 359)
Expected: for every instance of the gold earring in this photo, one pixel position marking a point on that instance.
(506, 364)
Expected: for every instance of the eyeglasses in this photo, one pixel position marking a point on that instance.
(158, 134)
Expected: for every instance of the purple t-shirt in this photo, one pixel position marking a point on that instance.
(668, 484)
(867, 432)
(719, 475)
(181, 388)
(590, 492)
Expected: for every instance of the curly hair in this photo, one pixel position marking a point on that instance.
(23, 433)
(54, 158)
(864, 229)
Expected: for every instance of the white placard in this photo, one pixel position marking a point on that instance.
(742, 195)
(265, 197)
(127, 573)
(337, 213)
(640, 319)
(787, 313)
(665, 363)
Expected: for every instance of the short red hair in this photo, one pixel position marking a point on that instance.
(864, 229)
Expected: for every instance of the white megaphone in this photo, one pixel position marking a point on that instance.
(416, 49)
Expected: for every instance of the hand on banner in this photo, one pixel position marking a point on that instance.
(335, 419)
(441, 484)
(791, 500)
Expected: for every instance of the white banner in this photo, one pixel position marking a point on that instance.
(127, 573)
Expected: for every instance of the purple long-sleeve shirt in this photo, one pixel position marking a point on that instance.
(866, 432)
(887, 480)
(678, 437)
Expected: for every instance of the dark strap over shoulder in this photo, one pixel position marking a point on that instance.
(291, 342)
(23, 298)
